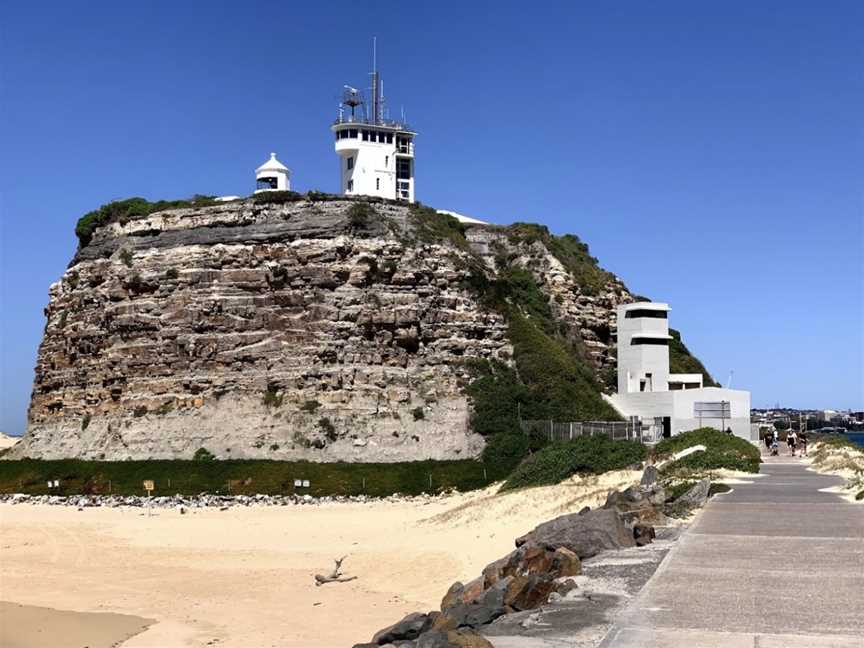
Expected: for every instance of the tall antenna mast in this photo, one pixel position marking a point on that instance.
(376, 103)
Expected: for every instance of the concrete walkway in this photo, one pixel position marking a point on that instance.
(773, 564)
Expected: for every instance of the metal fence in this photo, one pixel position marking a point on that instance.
(631, 430)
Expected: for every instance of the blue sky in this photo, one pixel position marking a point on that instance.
(709, 153)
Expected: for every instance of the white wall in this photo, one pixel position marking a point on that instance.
(679, 407)
(374, 163)
(635, 362)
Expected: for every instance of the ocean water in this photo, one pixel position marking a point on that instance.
(856, 437)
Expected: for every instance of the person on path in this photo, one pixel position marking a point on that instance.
(792, 438)
(769, 441)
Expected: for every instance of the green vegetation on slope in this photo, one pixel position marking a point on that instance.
(569, 250)
(552, 378)
(121, 211)
(245, 477)
(722, 450)
(586, 455)
(682, 361)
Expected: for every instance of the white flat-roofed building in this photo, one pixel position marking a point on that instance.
(670, 403)
(376, 153)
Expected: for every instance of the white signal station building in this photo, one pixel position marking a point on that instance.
(376, 153)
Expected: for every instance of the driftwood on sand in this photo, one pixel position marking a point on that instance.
(335, 576)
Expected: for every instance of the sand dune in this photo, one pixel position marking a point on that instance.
(244, 577)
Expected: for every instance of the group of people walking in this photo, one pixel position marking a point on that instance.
(797, 442)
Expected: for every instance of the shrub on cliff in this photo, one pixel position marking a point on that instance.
(276, 197)
(569, 250)
(722, 450)
(586, 455)
(121, 211)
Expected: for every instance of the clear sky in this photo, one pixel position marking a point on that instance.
(709, 153)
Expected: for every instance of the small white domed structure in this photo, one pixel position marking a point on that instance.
(272, 176)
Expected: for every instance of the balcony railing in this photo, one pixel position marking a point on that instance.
(363, 121)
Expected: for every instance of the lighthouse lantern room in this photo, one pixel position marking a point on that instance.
(272, 176)
(376, 153)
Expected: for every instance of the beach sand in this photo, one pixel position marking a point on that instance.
(244, 577)
(26, 626)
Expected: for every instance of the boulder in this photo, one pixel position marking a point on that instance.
(528, 592)
(696, 496)
(643, 534)
(565, 563)
(452, 639)
(649, 476)
(639, 504)
(585, 535)
(535, 560)
(410, 627)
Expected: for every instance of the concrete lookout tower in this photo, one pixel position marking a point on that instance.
(272, 176)
(643, 347)
(376, 153)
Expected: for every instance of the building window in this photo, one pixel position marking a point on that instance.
(349, 162)
(352, 133)
(365, 135)
(338, 135)
(386, 161)
(403, 169)
(350, 185)
(645, 312)
(638, 341)
(389, 138)
(377, 184)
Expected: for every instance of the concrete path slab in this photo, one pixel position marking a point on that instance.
(773, 563)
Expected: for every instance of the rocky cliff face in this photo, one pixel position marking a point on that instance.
(328, 330)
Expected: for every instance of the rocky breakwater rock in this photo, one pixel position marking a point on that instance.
(692, 499)
(586, 533)
(542, 565)
(317, 328)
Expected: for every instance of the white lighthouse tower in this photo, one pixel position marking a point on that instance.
(376, 153)
(272, 176)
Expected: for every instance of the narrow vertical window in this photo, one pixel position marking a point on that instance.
(377, 184)
(350, 162)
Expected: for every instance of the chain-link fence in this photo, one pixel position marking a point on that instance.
(631, 430)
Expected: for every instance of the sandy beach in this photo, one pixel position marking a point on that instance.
(243, 577)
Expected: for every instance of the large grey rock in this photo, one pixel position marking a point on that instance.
(410, 627)
(696, 496)
(649, 476)
(585, 535)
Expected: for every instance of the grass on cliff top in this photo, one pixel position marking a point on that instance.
(245, 477)
(123, 210)
(722, 450)
(587, 455)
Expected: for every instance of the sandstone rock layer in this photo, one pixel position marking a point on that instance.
(292, 331)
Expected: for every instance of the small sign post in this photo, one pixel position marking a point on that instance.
(149, 486)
